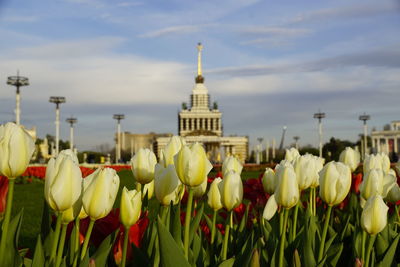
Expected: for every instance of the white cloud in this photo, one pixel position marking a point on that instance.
(182, 29)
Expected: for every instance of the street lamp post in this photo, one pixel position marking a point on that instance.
(260, 140)
(296, 141)
(17, 81)
(71, 122)
(57, 100)
(118, 117)
(364, 118)
(319, 116)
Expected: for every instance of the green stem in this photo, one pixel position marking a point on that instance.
(296, 211)
(213, 226)
(187, 222)
(56, 237)
(164, 213)
(364, 237)
(370, 245)
(281, 222)
(226, 238)
(397, 213)
(77, 243)
(282, 244)
(322, 244)
(138, 187)
(125, 247)
(87, 237)
(6, 221)
(310, 201)
(61, 244)
(315, 201)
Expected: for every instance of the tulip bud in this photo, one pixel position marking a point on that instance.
(170, 150)
(378, 161)
(63, 181)
(287, 189)
(149, 190)
(335, 182)
(270, 208)
(394, 194)
(131, 205)
(214, 195)
(167, 186)
(100, 190)
(231, 163)
(350, 157)
(291, 154)
(143, 165)
(192, 165)
(374, 215)
(231, 189)
(307, 168)
(375, 182)
(268, 181)
(198, 191)
(16, 149)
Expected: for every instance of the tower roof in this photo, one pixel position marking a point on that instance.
(199, 77)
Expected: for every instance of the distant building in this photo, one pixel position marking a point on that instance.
(202, 123)
(388, 139)
(132, 142)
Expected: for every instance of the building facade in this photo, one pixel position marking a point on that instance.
(202, 122)
(388, 139)
(132, 142)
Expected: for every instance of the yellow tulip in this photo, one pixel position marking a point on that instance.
(143, 166)
(350, 157)
(335, 182)
(192, 165)
(170, 150)
(63, 181)
(307, 168)
(16, 149)
(378, 161)
(167, 186)
(231, 163)
(291, 154)
(131, 205)
(394, 194)
(287, 189)
(374, 215)
(199, 191)
(99, 192)
(231, 189)
(376, 182)
(214, 195)
(268, 181)
(149, 190)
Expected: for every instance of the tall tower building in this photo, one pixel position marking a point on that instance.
(199, 118)
(202, 122)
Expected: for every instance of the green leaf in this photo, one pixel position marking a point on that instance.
(244, 257)
(388, 259)
(140, 259)
(329, 242)
(38, 258)
(171, 254)
(381, 245)
(45, 227)
(296, 259)
(11, 254)
(176, 225)
(196, 247)
(227, 263)
(333, 255)
(244, 219)
(101, 254)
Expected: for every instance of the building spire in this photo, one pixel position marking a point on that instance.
(199, 77)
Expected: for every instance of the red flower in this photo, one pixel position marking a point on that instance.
(356, 181)
(3, 194)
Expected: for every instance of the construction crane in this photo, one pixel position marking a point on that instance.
(282, 138)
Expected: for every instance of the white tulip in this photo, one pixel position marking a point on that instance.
(214, 195)
(307, 168)
(143, 165)
(374, 215)
(231, 163)
(192, 165)
(231, 189)
(287, 188)
(334, 182)
(268, 181)
(131, 205)
(376, 182)
(270, 208)
(350, 157)
(378, 161)
(292, 154)
(167, 186)
(170, 150)
(16, 149)
(99, 192)
(63, 181)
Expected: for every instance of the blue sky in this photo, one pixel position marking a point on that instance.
(267, 63)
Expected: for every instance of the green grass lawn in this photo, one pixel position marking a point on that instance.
(30, 197)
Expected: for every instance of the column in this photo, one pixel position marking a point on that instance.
(373, 142)
(208, 124)
(180, 124)
(219, 124)
(387, 145)
(379, 145)
(395, 150)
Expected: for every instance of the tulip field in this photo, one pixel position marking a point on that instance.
(180, 210)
